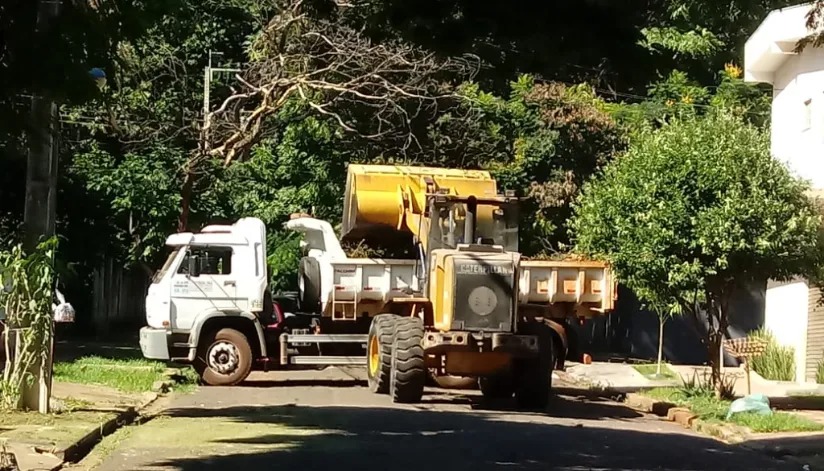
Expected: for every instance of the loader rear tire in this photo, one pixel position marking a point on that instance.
(452, 382)
(379, 352)
(499, 386)
(533, 376)
(408, 374)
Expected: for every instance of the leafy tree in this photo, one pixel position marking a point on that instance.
(680, 96)
(543, 141)
(693, 211)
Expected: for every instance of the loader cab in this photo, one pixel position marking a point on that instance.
(454, 221)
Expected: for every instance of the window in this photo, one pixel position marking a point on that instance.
(162, 272)
(807, 116)
(211, 260)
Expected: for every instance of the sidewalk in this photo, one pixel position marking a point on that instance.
(81, 414)
(623, 377)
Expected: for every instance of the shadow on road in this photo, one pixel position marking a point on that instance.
(324, 383)
(126, 349)
(560, 406)
(382, 439)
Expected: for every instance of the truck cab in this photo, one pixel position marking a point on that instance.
(205, 304)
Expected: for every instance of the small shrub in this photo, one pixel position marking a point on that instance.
(777, 363)
(701, 387)
(819, 374)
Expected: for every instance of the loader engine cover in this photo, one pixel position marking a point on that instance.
(483, 294)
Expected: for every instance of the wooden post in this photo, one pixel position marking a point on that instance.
(744, 349)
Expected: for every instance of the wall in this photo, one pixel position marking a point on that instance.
(785, 315)
(800, 78)
(815, 335)
(633, 332)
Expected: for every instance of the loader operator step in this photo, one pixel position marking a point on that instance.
(302, 339)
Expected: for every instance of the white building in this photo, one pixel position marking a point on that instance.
(792, 310)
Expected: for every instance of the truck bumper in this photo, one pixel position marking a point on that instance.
(154, 343)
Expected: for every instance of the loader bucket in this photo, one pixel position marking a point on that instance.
(379, 197)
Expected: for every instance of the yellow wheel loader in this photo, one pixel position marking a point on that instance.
(464, 319)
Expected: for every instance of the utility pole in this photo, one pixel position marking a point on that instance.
(41, 198)
(208, 75)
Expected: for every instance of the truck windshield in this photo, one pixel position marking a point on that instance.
(496, 225)
(169, 260)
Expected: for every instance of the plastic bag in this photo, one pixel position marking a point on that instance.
(755, 403)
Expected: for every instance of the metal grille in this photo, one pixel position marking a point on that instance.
(483, 296)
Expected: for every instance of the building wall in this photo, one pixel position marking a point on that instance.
(797, 128)
(815, 335)
(785, 315)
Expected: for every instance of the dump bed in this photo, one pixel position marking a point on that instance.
(578, 282)
(586, 283)
(373, 279)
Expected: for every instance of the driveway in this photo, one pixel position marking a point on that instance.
(329, 420)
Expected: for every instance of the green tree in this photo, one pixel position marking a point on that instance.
(543, 140)
(693, 211)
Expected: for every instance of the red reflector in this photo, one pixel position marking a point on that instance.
(339, 288)
(368, 289)
(542, 290)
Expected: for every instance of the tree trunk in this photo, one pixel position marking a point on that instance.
(715, 363)
(661, 321)
(717, 308)
(185, 201)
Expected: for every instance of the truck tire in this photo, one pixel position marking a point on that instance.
(379, 352)
(408, 374)
(533, 376)
(225, 358)
(309, 285)
(500, 386)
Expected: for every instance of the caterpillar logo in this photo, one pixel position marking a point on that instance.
(480, 269)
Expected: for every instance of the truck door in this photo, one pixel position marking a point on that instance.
(212, 286)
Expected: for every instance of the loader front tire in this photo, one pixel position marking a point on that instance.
(408, 373)
(379, 352)
(533, 376)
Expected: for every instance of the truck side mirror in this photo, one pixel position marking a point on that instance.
(194, 266)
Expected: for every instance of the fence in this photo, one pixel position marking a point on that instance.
(118, 297)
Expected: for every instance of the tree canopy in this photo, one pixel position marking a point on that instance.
(695, 210)
(543, 95)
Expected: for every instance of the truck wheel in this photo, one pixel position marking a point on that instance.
(408, 374)
(226, 358)
(379, 352)
(500, 386)
(533, 376)
(309, 285)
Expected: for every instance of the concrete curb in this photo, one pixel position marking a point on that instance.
(77, 450)
(728, 433)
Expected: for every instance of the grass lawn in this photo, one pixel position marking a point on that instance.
(132, 376)
(650, 371)
(710, 409)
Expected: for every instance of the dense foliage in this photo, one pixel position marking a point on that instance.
(547, 96)
(696, 210)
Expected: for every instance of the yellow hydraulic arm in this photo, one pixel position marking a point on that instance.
(394, 196)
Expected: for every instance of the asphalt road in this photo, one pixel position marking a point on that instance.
(329, 421)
